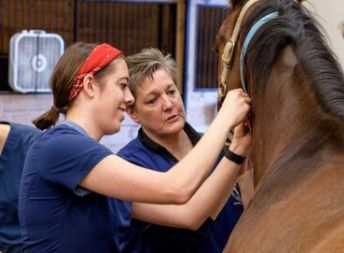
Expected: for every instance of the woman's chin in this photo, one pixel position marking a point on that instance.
(117, 129)
(112, 131)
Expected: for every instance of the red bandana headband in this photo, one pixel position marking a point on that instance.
(101, 56)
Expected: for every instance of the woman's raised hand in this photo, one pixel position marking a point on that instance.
(235, 106)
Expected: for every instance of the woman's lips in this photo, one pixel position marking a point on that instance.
(172, 118)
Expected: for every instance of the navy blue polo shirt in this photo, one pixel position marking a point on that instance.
(12, 160)
(136, 236)
(55, 213)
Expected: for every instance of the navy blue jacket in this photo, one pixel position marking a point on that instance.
(135, 236)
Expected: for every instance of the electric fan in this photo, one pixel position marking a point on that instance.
(33, 56)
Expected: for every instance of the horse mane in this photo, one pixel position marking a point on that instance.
(295, 27)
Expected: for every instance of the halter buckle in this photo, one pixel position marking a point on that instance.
(227, 52)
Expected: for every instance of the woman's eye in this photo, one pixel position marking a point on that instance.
(124, 86)
(152, 101)
(171, 92)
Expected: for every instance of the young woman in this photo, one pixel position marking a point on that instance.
(164, 139)
(67, 174)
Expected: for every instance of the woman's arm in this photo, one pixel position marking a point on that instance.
(118, 178)
(214, 191)
(208, 201)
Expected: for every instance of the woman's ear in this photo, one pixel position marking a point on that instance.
(89, 85)
(131, 112)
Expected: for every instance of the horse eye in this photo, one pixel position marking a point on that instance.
(216, 50)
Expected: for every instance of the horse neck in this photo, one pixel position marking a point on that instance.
(281, 114)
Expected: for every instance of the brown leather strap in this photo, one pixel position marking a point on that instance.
(229, 48)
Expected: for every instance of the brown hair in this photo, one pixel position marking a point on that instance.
(144, 64)
(62, 80)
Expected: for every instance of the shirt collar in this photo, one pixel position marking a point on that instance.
(193, 135)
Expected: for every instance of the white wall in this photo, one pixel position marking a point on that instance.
(330, 14)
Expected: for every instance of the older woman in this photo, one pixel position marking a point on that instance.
(204, 223)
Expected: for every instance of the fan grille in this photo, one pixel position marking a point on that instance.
(34, 60)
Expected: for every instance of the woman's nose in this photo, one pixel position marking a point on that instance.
(128, 97)
(167, 103)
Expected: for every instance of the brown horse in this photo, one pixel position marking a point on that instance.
(297, 120)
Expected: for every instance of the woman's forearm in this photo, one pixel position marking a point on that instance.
(190, 173)
(207, 201)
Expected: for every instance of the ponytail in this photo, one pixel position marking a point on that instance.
(47, 119)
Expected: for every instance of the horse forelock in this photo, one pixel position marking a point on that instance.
(295, 27)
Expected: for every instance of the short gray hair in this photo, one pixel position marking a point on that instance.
(144, 64)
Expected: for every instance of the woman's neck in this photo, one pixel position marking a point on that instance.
(88, 127)
(4, 131)
(178, 144)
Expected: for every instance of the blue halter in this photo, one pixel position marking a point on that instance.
(249, 36)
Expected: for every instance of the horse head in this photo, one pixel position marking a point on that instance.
(276, 51)
(252, 70)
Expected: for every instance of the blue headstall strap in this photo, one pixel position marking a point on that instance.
(249, 36)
